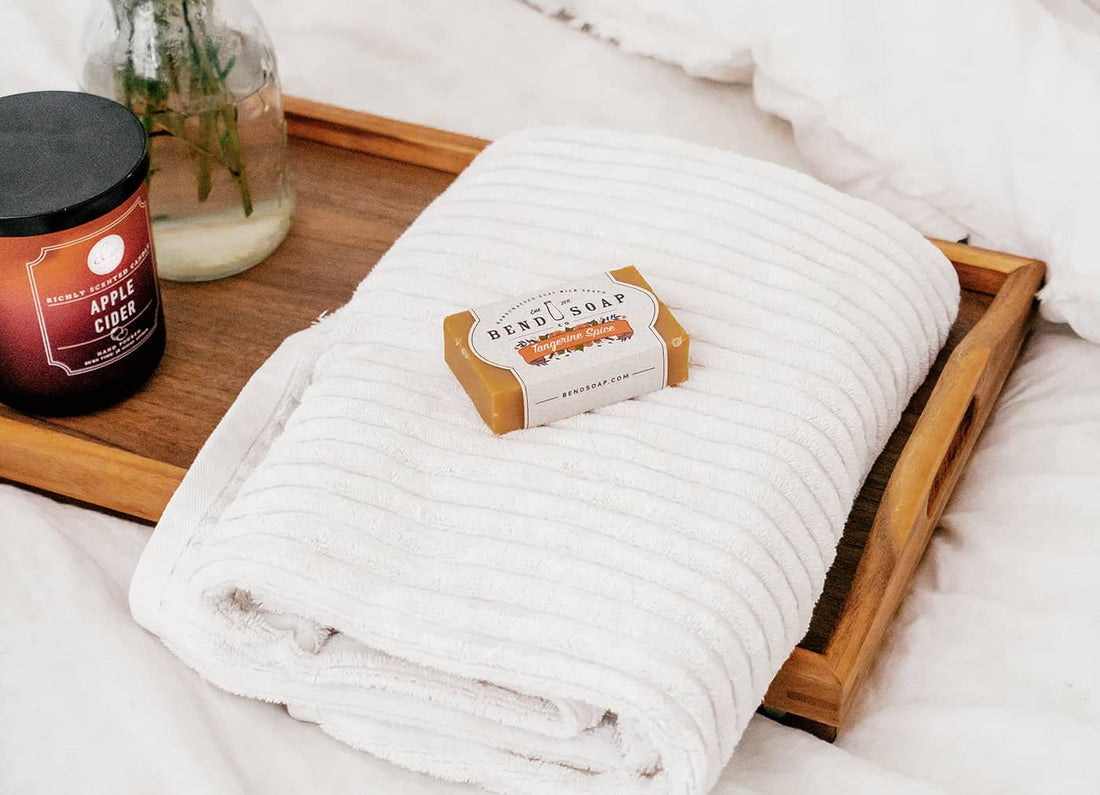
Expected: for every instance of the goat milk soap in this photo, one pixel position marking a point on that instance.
(565, 350)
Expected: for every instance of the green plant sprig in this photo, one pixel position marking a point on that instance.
(190, 82)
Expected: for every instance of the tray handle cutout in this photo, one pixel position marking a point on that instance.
(951, 457)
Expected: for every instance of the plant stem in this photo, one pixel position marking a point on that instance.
(199, 83)
(229, 113)
(212, 80)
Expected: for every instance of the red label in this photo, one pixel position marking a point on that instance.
(96, 296)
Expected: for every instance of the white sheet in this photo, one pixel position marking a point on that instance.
(988, 682)
(971, 119)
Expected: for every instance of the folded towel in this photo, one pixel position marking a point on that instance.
(597, 605)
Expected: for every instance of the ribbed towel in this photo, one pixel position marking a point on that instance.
(597, 605)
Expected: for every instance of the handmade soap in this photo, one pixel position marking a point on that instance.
(564, 350)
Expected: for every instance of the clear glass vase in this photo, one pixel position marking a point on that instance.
(201, 75)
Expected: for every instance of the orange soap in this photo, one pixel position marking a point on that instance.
(564, 350)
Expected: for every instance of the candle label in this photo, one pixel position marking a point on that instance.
(575, 347)
(95, 293)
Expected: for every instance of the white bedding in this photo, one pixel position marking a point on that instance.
(973, 119)
(988, 682)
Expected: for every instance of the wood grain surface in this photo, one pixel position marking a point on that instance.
(351, 207)
(361, 180)
(377, 135)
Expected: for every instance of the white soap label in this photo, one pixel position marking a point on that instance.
(576, 347)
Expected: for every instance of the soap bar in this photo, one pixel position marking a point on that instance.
(564, 350)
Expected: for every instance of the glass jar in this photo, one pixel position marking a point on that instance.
(81, 324)
(201, 76)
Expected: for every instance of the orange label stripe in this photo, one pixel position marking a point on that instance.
(582, 335)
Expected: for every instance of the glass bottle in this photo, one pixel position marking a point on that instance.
(201, 75)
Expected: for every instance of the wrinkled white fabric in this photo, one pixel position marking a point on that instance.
(973, 119)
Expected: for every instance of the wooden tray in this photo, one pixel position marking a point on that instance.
(361, 181)
(906, 491)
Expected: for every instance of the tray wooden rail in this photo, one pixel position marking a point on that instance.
(361, 181)
(816, 686)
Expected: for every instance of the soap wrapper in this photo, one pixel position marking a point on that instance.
(564, 350)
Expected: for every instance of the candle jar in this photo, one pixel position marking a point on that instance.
(81, 324)
(201, 75)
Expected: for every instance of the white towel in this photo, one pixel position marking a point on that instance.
(597, 605)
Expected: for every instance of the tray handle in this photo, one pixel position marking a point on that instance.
(952, 457)
(968, 388)
(929, 466)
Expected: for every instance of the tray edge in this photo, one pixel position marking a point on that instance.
(377, 135)
(139, 487)
(821, 687)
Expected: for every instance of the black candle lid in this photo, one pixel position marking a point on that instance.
(66, 158)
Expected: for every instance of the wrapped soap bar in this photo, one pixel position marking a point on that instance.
(564, 350)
